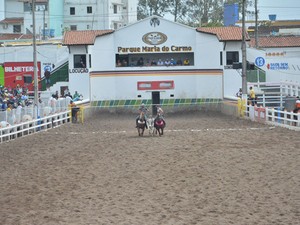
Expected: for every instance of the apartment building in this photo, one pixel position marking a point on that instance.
(99, 15)
(53, 17)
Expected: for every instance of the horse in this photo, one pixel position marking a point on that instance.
(150, 125)
(159, 124)
(141, 124)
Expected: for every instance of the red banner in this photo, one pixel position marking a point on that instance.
(155, 85)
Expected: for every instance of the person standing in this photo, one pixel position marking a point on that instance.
(239, 93)
(252, 97)
(47, 78)
(186, 62)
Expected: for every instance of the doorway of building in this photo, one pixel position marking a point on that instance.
(155, 101)
(63, 90)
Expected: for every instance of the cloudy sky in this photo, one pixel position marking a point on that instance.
(284, 9)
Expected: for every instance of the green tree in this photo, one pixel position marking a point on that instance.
(148, 8)
(193, 13)
(202, 12)
(178, 9)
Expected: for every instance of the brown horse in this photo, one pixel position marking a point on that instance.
(141, 124)
(159, 124)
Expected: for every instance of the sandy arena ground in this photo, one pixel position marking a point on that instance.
(207, 169)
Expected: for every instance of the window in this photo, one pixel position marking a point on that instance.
(89, 10)
(115, 26)
(79, 61)
(115, 9)
(72, 10)
(27, 78)
(90, 60)
(232, 57)
(154, 59)
(27, 7)
(73, 27)
(17, 28)
(40, 7)
(221, 58)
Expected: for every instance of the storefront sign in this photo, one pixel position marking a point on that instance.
(20, 73)
(15, 69)
(278, 66)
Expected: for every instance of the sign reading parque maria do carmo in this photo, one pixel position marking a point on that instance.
(172, 48)
(154, 39)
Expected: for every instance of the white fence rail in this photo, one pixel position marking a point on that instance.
(278, 95)
(286, 88)
(274, 116)
(26, 120)
(8, 132)
(16, 116)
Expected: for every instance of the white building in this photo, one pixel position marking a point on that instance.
(278, 56)
(98, 15)
(94, 70)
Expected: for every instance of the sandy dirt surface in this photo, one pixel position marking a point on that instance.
(206, 169)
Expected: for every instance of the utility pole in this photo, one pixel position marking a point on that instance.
(256, 25)
(34, 55)
(44, 32)
(244, 58)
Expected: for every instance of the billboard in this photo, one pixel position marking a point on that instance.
(231, 14)
(20, 73)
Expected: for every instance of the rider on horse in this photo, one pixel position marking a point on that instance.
(159, 114)
(143, 110)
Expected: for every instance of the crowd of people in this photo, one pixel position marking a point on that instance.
(11, 98)
(147, 62)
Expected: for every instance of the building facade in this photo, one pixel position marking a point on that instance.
(278, 56)
(98, 15)
(155, 61)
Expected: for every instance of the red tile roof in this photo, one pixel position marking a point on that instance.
(277, 41)
(88, 37)
(17, 20)
(36, 1)
(85, 37)
(224, 33)
(7, 37)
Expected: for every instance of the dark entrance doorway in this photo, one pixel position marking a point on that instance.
(155, 101)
